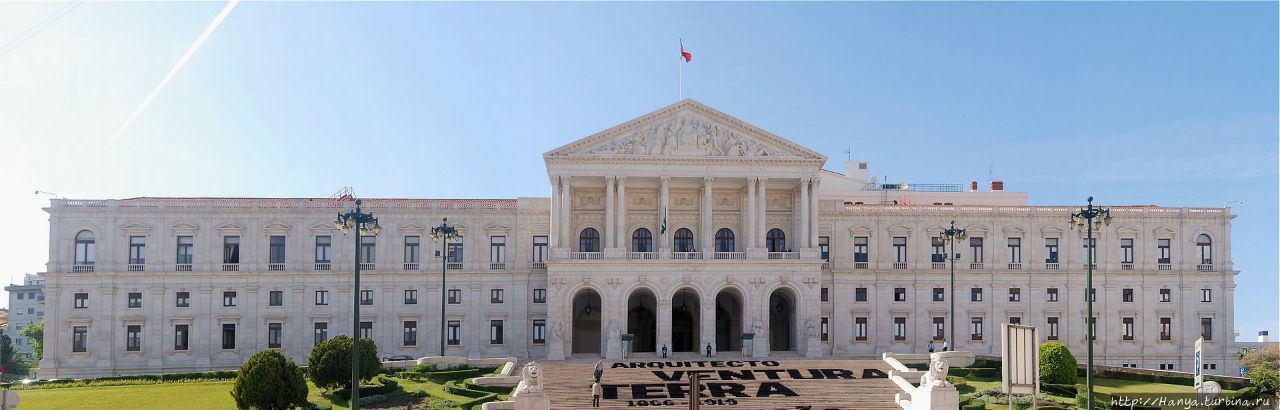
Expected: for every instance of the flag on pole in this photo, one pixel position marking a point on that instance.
(685, 54)
(663, 230)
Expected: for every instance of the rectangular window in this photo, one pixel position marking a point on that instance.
(899, 328)
(322, 332)
(1206, 328)
(899, 294)
(975, 245)
(368, 249)
(860, 328)
(539, 296)
(455, 333)
(939, 295)
(939, 250)
(181, 335)
(826, 328)
(1166, 295)
(228, 299)
(939, 328)
(1052, 294)
(366, 297)
(975, 328)
(540, 248)
(455, 296)
(1050, 250)
(1052, 332)
(276, 249)
(823, 295)
(495, 332)
(1166, 328)
(497, 249)
(900, 249)
(539, 331)
(975, 294)
(824, 246)
(133, 338)
(1164, 254)
(366, 330)
(137, 250)
(411, 296)
(860, 249)
(275, 298)
(275, 332)
(231, 249)
(454, 251)
(1126, 324)
(495, 295)
(80, 339)
(183, 299)
(412, 249)
(135, 300)
(410, 333)
(186, 249)
(860, 295)
(228, 336)
(1090, 250)
(324, 249)
(1015, 320)
(1126, 250)
(1206, 295)
(1015, 250)
(322, 297)
(81, 301)
(1015, 294)
(1126, 295)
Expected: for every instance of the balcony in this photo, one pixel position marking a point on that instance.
(686, 255)
(1164, 266)
(1089, 266)
(498, 266)
(1051, 266)
(1205, 267)
(453, 265)
(412, 266)
(324, 266)
(1126, 266)
(182, 267)
(826, 265)
(275, 267)
(642, 255)
(367, 266)
(861, 265)
(976, 265)
(734, 255)
(81, 268)
(584, 255)
(137, 267)
(937, 265)
(541, 266)
(784, 255)
(1015, 266)
(230, 267)
(899, 265)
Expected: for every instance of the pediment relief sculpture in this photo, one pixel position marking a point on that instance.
(689, 136)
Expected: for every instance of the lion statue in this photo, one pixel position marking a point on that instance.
(937, 374)
(530, 380)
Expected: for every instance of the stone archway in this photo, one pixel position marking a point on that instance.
(642, 320)
(728, 320)
(587, 311)
(782, 323)
(685, 312)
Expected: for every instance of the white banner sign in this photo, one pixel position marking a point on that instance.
(1020, 360)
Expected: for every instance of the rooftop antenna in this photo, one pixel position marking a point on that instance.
(990, 173)
(38, 192)
(848, 153)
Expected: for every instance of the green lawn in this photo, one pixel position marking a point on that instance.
(1100, 385)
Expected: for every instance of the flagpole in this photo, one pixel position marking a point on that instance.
(680, 69)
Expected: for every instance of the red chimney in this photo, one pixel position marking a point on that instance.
(997, 186)
(973, 186)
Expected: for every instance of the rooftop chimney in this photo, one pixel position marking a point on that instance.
(997, 186)
(973, 186)
(1262, 336)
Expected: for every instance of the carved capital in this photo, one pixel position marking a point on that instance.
(708, 180)
(805, 181)
(664, 180)
(815, 182)
(621, 180)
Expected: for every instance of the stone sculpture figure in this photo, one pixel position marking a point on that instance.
(557, 331)
(937, 374)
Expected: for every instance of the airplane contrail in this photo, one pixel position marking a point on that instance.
(176, 67)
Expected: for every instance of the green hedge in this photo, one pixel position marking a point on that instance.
(130, 380)
(490, 389)
(388, 386)
(1064, 390)
(455, 389)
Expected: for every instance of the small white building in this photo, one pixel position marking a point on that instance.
(26, 306)
(684, 228)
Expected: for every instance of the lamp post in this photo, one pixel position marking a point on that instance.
(950, 236)
(1085, 220)
(443, 234)
(365, 225)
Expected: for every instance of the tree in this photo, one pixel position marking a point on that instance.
(1263, 368)
(34, 333)
(330, 362)
(269, 381)
(1057, 365)
(8, 357)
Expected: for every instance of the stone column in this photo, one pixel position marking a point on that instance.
(621, 226)
(762, 224)
(608, 227)
(663, 243)
(566, 213)
(708, 237)
(749, 220)
(813, 213)
(664, 327)
(803, 241)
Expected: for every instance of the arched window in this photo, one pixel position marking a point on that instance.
(684, 240)
(776, 240)
(85, 248)
(589, 240)
(724, 240)
(1204, 248)
(641, 240)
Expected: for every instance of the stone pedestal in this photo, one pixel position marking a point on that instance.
(813, 348)
(613, 349)
(935, 398)
(555, 350)
(535, 401)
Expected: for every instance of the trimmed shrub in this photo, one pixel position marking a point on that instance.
(330, 362)
(956, 380)
(452, 375)
(975, 404)
(984, 372)
(1064, 390)
(1057, 365)
(269, 381)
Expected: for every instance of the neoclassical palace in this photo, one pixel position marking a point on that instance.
(681, 231)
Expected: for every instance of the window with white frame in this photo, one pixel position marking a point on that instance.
(1015, 250)
(135, 300)
(182, 299)
(455, 296)
(495, 332)
(540, 246)
(366, 297)
(275, 298)
(539, 331)
(975, 247)
(79, 339)
(231, 249)
(412, 249)
(1206, 295)
(366, 330)
(324, 249)
(1126, 250)
(86, 247)
(497, 249)
(276, 249)
(899, 328)
(1051, 333)
(1204, 249)
(410, 333)
(1126, 295)
(496, 295)
(411, 296)
(900, 249)
(1166, 295)
(322, 297)
(860, 249)
(975, 294)
(321, 332)
(454, 333)
(1015, 294)
(825, 329)
(939, 250)
(1163, 251)
(824, 246)
(1166, 328)
(975, 328)
(181, 337)
(137, 250)
(368, 249)
(539, 296)
(186, 250)
(1050, 250)
(1051, 294)
(1126, 328)
(275, 334)
(860, 328)
(133, 338)
(228, 299)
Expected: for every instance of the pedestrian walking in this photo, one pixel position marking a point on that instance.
(946, 345)
(595, 394)
(930, 346)
(599, 371)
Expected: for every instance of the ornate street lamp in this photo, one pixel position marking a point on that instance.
(364, 225)
(951, 236)
(1088, 220)
(443, 234)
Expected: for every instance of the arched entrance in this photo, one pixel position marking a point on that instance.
(684, 321)
(728, 320)
(782, 313)
(642, 320)
(586, 321)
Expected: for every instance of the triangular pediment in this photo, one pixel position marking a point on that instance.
(686, 129)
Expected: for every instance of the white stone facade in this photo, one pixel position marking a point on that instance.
(693, 170)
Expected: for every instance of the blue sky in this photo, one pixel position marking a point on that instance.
(1134, 103)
